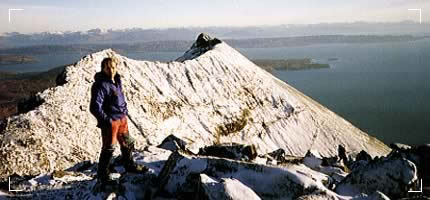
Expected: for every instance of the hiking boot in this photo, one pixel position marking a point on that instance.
(129, 164)
(103, 170)
(127, 158)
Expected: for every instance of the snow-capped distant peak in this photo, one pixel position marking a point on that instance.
(52, 33)
(97, 31)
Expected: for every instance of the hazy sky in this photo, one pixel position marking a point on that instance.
(74, 15)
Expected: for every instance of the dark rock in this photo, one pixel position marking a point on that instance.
(141, 186)
(332, 167)
(348, 161)
(203, 44)
(399, 146)
(61, 78)
(363, 155)
(392, 176)
(192, 189)
(29, 104)
(83, 166)
(330, 161)
(404, 151)
(173, 143)
(14, 180)
(356, 165)
(231, 151)
(3, 125)
(278, 155)
(169, 166)
(423, 151)
(281, 158)
(341, 152)
(323, 161)
(205, 41)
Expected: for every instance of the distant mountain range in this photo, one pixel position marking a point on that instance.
(135, 35)
(182, 45)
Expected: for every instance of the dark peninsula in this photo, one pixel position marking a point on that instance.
(289, 64)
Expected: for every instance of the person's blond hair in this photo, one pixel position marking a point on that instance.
(109, 62)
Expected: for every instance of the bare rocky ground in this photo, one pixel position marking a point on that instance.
(210, 125)
(16, 88)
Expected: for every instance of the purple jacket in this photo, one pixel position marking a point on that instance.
(107, 100)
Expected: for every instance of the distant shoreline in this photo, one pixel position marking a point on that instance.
(10, 59)
(289, 64)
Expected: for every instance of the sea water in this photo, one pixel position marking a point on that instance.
(382, 88)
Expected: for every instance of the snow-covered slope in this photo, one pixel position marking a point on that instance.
(215, 95)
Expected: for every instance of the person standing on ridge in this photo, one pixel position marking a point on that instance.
(108, 105)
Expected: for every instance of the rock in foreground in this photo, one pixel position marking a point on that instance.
(181, 175)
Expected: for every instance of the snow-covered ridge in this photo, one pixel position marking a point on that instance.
(216, 95)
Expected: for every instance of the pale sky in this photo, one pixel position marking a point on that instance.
(81, 15)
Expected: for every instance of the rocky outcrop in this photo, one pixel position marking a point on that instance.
(268, 182)
(173, 143)
(392, 176)
(182, 175)
(214, 95)
(203, 44)
(232, 151)
(335, 169)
